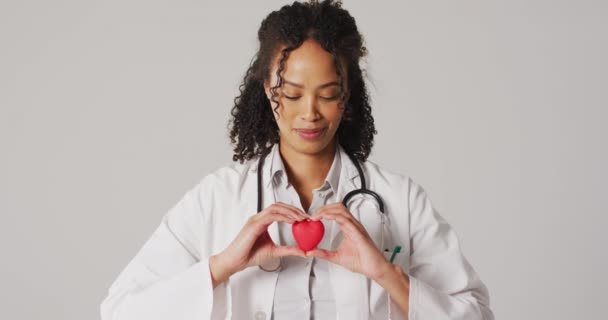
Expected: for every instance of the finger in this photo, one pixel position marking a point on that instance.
(333, 207)
(348, 227)
(296, 213)
(328, 255)
(280, 210)
(317, 215)
(341, 210)
(278, 216)
(325, 207)
(289, 206)
(301, 214)
(261, 221)
(328, 206)
(283, 251)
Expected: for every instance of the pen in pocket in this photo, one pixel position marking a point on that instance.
(395, 251)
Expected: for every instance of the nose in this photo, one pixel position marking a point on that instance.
(311, 109)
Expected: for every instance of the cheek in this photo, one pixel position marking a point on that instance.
(287, 112)
(283, 117)
(334, 114)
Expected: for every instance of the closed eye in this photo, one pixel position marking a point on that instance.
(324, 98)
(331, 98)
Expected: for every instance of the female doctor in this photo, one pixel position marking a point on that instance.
(302, 129)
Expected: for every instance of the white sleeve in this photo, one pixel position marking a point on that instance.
(169, 278)
(443, 285)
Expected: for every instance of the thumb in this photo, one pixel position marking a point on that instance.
(323, 254)
(283, 251)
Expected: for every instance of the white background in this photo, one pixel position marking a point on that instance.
(111, 110)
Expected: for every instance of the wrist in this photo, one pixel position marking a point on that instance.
(397, 283)
(387, 273)
(219, 270)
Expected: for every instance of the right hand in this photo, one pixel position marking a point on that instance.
(253, 245)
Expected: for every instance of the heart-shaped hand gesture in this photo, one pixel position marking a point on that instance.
(357, 251)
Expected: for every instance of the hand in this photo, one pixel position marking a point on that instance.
(357, 251)
(253, 245)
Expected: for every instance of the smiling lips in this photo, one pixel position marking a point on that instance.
(310, 134)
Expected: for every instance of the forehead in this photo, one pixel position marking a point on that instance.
(309, 65)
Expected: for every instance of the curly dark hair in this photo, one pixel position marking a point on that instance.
(253, 129)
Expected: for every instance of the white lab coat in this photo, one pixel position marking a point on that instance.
(169, 277)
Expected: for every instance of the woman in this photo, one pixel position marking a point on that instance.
(222, 252)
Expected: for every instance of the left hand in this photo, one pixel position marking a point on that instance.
(357, 251)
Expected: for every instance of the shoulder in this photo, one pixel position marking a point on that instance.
(395, 182)
(230, 175)
(380, 175)
(224, 185)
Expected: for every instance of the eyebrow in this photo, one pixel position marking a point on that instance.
(332, 83)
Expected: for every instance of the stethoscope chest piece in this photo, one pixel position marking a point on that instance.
(271, 265)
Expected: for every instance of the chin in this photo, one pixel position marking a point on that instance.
(309, 147)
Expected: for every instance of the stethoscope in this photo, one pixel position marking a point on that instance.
(363, 190)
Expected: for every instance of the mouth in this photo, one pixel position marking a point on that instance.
(310, 134)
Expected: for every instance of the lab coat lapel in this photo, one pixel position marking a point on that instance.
(350, 289)
(348, 176)
(263, 283)
(268, 197)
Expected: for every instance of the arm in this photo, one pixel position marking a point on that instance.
(442, 283)
(170, 277)
(219, 272)
(397, 283)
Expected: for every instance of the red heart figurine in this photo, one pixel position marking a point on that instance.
(308, 233)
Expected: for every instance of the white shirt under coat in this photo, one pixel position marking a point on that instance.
(303, 289)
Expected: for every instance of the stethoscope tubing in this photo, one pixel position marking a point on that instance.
(362, 190)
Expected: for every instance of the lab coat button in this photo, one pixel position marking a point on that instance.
(260, 315)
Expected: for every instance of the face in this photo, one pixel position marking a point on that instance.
(310, 106)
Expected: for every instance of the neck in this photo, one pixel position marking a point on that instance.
(307, 170)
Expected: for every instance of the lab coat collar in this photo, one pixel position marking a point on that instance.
(277, 166)
(348, 171)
